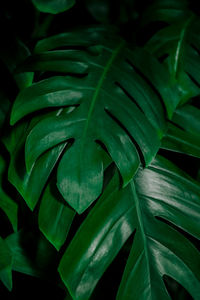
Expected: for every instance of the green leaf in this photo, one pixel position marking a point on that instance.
(13, 53)
(183, 134)
(7, 204)
(118, 105)
(99, 239)
(55, 216)
(53, 6)
(168, 11)
(163, 197)
(100, 9)
(29, 185)
(5, 265)
(4, 108)
(179, 43)
(32, 254)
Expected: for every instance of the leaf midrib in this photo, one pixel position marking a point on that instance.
(180, 45)
(99, 86)
(144, 236)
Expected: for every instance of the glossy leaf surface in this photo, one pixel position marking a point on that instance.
(98, 241)
(121, 90)
(179, 45)
(36, 179)
(55, 216)
(164, 197)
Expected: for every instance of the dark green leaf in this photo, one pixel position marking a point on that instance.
(32, 254)
(5, 264)
(13, 53)
(169, 11)
(55, 216)
(163, 191)
(117, 103)
(30, 185)
(6, 203)
(179, 43)
(183, 135)
(53, 6)
(4, 107)
(98, 241)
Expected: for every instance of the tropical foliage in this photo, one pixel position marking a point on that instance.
(99, 160)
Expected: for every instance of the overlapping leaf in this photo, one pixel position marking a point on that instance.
(98, 241)
(55, 216)
(179, 45)
(7, 204)
(183, 134)
(30, 185)
(164, 197)
(161, 200)
(118, 108)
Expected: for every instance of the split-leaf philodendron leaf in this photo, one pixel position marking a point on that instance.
(179, 45)
(91, 118)
(161, 202)
(118, 94)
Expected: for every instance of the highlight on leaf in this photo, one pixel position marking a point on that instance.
(118, 100)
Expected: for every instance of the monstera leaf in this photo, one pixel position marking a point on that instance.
(35, 180)
(160, 205)
(178, 45)
(98, 241)
(183, 132)
(117, 94)
(166, 201)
